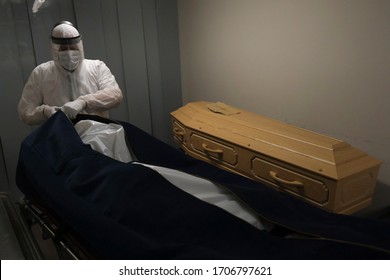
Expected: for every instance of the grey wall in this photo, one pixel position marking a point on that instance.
(137, 39)
(320, 65)
(4, 185)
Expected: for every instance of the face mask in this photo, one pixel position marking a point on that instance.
(69, 60)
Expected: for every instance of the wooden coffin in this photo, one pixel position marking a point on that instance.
(318, 169)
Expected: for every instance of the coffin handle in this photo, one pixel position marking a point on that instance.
(275, 176)
(210, 150)
(178, 131)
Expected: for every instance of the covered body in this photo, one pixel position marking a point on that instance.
(129, 211)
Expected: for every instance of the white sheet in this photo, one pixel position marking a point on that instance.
(109, 139)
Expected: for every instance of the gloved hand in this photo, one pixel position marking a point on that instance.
(72, 108)
(49, 111)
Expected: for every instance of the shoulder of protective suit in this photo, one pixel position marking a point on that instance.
(43, 69)
(93, 61)
(94, 64)
(45, 66)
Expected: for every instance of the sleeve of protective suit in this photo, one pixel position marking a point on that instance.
(109, 94)
(30, 108)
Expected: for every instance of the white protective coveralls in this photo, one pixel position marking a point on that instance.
(69, 82)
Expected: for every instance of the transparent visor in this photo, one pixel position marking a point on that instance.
(66, 41)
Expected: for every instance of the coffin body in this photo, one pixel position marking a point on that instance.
(323, 171)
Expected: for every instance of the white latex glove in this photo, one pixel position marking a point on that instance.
(72, 108)
(49, 111)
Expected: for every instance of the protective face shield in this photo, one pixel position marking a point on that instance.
(67, 47)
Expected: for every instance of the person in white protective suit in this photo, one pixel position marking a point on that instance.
(69, 82)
